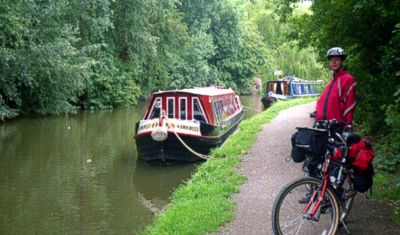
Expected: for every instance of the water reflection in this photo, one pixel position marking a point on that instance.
(78, 174)
(252, 105)
(150, 181)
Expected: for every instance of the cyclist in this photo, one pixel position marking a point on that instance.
(338, 99)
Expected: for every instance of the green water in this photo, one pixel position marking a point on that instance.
(78, 174)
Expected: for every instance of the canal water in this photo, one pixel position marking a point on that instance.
(79, 174)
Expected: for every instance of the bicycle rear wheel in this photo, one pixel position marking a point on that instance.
(288, 216)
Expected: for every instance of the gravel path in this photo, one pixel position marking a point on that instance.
(267, 173)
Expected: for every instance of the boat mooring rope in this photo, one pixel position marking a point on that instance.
(161, 135)
(149, 205)
(205, 157)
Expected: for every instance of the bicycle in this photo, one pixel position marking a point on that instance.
(328, 197)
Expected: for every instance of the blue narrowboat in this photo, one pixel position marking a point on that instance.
(288, 88)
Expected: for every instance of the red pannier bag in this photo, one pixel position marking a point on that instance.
(361, 155)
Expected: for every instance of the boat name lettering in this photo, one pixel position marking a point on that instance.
(190, 128)
(169, 126)
(148, 125)
(145, 126)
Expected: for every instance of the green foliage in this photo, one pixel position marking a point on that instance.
(281, 53)
(232, 53)
(109, 86)
(191, 66)
(387, 186)
(251, 59)
(301, 62)
(5, 111)
(40, 65)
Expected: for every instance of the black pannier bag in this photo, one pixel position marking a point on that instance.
(363, 181)
(297, 154)
(308, 141)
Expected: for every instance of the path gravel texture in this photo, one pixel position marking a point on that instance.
(267, 173)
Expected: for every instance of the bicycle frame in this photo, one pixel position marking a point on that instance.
(312, 207)
(325, 182)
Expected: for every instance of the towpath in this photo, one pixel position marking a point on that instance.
(267, 172)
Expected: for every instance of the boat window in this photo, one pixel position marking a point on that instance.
(231, 105)
(216, 111)
(182, 108)
(294, 89)
(286, 88)
(156, 109)
(198, 113)
(170, 107)
(234, 105)
(279, 87)
(272, 87)
(221, 109)
(228, 106)
(237, 101)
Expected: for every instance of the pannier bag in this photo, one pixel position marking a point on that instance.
(296, 154)
(361, 155)
(312, 141)
(364, 180)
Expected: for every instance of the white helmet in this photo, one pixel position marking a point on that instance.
(336, 52)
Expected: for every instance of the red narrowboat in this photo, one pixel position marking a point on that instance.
(182, 126)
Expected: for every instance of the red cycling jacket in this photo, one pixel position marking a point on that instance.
(338, 100)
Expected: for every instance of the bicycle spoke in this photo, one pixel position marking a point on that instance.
(300, 226)
(291, 223)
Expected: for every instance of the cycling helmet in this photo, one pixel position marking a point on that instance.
(336, 52)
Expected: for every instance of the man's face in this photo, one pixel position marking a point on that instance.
(335, 63)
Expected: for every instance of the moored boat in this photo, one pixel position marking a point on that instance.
(184, 125)
(288, 88)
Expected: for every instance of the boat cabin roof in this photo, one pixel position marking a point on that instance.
(207, 91)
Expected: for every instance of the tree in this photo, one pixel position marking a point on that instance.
(41, 70)
(281, 52)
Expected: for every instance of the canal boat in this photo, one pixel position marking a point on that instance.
(182, 126)
(288, 88)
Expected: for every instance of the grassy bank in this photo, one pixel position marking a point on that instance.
(202, 204)
(387, 187)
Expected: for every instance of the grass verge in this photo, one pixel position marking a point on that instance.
(202, 204)
(387, 187)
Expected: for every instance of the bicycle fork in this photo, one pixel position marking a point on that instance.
(313, 207)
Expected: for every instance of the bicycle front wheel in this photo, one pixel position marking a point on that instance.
(289, 217)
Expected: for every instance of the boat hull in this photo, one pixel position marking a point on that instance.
(267, 101)
(172, 151)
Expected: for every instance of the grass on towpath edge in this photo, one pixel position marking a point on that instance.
(202, 204)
